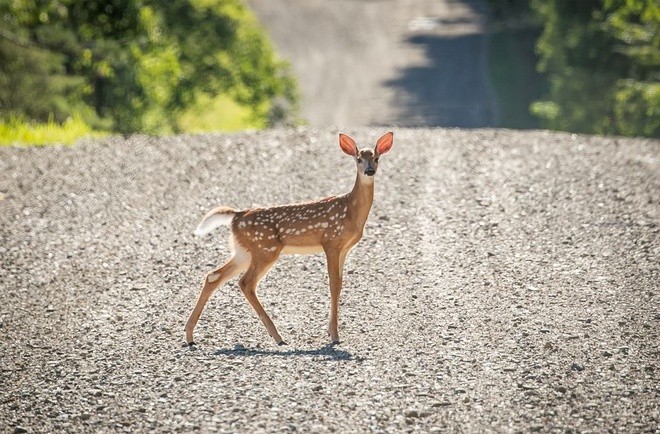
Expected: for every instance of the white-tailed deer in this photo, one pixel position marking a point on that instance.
(332, 225)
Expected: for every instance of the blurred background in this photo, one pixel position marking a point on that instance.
(76, 68)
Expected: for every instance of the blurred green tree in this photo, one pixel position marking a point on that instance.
(134, 65)
(602, 59)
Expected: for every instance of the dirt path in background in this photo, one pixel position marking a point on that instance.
(386, 62)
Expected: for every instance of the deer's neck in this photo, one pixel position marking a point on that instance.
(361, 198)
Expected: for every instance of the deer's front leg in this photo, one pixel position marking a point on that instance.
(335, 274)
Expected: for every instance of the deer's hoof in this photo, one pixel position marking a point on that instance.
(280, 343)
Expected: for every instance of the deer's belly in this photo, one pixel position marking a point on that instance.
(301, 250)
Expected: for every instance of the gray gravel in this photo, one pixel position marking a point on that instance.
(507, 281)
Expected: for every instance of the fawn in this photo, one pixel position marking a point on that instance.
(332, 225)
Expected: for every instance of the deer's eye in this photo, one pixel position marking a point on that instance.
(376, 159)
(359, 160)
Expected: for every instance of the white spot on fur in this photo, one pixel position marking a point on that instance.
(213, 277)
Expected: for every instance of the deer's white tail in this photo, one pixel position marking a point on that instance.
(215, 218)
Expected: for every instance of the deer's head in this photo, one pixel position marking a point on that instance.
(366, 159)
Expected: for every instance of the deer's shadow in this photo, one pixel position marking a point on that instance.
(327, 352)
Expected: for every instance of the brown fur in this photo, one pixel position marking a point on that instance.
(332, 225)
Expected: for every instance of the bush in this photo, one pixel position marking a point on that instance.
(133, 65)
(602, 59)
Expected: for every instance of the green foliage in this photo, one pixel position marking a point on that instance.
(514, 76)
(602, 59)
(512, 61)
(17, 131)
(510, 11)
(34, 82)
(135, 65)
(219, 113)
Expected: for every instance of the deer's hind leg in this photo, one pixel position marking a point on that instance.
(238, 263)
(259, 266)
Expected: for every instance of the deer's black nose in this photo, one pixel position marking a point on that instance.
(370, 172)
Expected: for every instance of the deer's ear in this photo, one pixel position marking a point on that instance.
(384, 144)
(348, 145)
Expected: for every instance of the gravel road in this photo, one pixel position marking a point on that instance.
(386, 62)
(507, 282)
